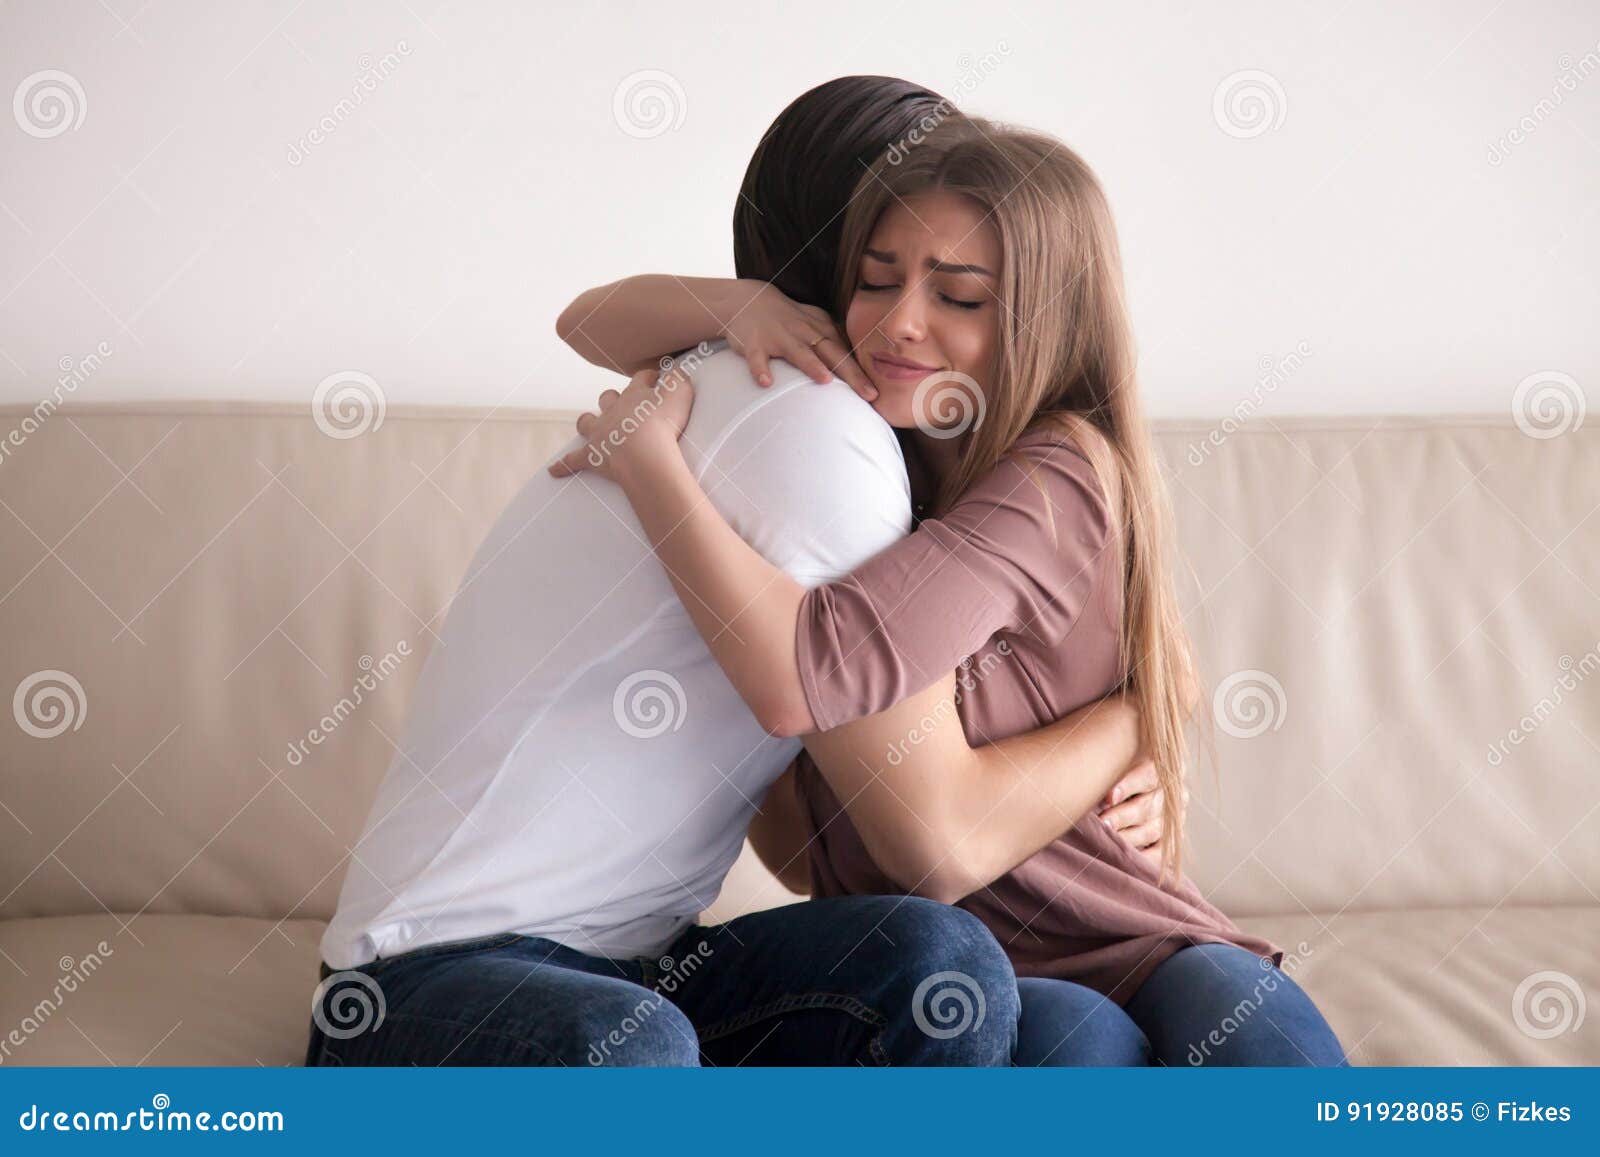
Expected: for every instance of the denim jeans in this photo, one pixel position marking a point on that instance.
(873, 980)
(1207, 1004)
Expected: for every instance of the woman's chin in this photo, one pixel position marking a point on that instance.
(894, 406)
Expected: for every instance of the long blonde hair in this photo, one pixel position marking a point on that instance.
(1065, 356)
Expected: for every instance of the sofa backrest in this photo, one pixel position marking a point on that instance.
(214, 615)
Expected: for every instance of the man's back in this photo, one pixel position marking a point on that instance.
(576, 766)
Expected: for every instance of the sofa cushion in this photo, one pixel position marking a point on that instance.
(1456, 986)
(190, 990)
(1400, 988)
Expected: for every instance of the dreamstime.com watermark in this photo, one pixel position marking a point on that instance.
(968, 676)
(1573, 73)
(73, 375)
(648, 103)
(348, 404)
(1573, 672)
(1548, 404)
(670, 370)
(374, 674)
(947, 1004)
(649, 703)
(674, 973)
(373, 72)
(49, 703)
(159, 1118)
(1547, 1004)
(73, 973)
(1273, 374)
(1240, 1014)
(1249, 703)
(1249, 103)
(973, 73)
(49, 103)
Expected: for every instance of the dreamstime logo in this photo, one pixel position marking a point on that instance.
(1567, 81)
(367, 81)
(1249, 103)
(49, 103)
(48, 702)
(648, 103)
(649, 703)
(672, 373)
(373, 673)
(348, 404)
(1573, 672)
(673, 974)
(1249, 703)
(357, 1005)
(1547, 1004)
(73, 374)
(1548, 404)
(1273, 375)
(1247, 1006)
(73, 974)
(947, 1004)
(947, 404)
(973, 73)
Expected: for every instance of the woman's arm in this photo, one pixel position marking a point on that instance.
(745, 608)
(629, 325)
(778, 834)
(944, 819)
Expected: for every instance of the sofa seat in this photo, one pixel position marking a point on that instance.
(190, 990)
(1435, 986)
(1412, 987)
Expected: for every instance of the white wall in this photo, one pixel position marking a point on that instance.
(430, 239)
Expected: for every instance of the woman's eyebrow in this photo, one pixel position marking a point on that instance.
(950, 267)
(889, 257)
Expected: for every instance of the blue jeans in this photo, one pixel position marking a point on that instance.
(1207, 1004)
(874, 980)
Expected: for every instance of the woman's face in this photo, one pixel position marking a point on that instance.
(925, 304)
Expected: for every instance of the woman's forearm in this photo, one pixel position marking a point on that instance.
(745, 608)
(628, 325)
(945, 819)
(1026, 790)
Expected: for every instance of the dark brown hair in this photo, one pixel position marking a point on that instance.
(790, 211)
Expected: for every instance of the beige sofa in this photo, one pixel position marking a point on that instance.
(187, 591)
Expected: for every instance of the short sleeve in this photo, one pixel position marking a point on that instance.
(1020, 552)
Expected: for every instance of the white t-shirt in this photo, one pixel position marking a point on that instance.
(576, 766)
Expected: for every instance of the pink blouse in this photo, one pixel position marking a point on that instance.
(1024, 607)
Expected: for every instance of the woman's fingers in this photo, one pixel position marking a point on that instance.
(607, 397)
(760, 367)
(1135, 811)
(586, 422)
(802, 355)
(842, 363)
(571, 462)
(1143, 837)
(1141, 778)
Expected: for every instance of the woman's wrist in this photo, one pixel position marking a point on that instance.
(647, 456)
(733, 296)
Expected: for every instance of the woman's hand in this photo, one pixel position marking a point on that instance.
(1136, 809)
(632, 428)
(762, 323)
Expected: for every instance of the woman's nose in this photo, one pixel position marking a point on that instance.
(906, 321)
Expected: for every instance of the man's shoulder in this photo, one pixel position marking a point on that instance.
(824, 416)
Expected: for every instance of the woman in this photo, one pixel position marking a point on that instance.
(983, 272)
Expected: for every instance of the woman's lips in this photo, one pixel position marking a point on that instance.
(896, 370)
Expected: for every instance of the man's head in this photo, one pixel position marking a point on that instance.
(787, 220)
